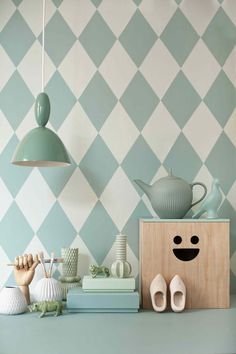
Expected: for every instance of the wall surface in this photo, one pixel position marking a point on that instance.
(137, 87)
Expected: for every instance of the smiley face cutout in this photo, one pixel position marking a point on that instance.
(186, 254)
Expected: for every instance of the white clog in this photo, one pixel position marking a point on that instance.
(158, 290)
(177, 294)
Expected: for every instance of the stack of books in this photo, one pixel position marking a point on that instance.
(104, 295)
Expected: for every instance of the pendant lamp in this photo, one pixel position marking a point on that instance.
(41, 147)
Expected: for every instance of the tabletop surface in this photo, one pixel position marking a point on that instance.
(191, 332)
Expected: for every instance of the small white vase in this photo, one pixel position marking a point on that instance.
(48, 289)
(12, 301)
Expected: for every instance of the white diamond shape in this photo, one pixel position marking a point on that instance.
(35, 199)
(230, 66)
(5, 271)
(199, 13)
(6, 68)
(159, 68)
(117, 69)
(233, 263)
(77, 132)
(158, 13)
(117, 14)
(85, 258)
(77, 13)
(6, 11)
(6, 131)
(119, 133)
(119, 198)
(32, 13)
(231, 195)
(77, 199)
(200, 137)
(230, 128)
(6, 199)
(161, 132)
(229, 7)
(30, 68)
(201, 68)
(131, 258)
(77, 69)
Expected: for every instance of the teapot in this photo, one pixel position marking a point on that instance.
(171, 197)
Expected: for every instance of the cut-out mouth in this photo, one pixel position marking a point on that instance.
(186, 254)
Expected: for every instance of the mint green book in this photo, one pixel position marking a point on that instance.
(108, 284)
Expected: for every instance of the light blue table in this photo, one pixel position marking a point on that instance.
(191, 332)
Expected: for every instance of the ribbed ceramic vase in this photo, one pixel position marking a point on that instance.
(48, 289)
(12, 301)
(121, 268)
(70, 263)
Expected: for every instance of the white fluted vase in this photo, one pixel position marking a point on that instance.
(121, 268)
(12, 301)
(48, 289)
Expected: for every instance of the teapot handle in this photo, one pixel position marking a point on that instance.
(204, 194)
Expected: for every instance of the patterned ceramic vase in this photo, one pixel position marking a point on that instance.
(69, 266)
(48, 289)
(12, 301)
(121, 268)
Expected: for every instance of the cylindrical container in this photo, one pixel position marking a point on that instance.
(12, 301)
(69, 265)
(48, 289)
(121, 268)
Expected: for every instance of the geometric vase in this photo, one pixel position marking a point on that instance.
(12, 301)
(70, 262)
(121, 268)
(48, 289)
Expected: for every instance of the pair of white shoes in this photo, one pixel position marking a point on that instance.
(158, 291)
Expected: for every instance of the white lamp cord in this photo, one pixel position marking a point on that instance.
(43, 44)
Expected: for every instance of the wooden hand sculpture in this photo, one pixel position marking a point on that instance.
(24, 270)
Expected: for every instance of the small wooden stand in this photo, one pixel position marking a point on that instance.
(206, 276)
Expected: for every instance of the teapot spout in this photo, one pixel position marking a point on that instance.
(144, 186)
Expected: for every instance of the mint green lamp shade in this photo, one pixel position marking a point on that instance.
(41, 147)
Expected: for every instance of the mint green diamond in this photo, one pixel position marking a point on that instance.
(13, 176)
(15, 231)
(138, 38)
(58, 38)
(98, 232)
(98, 165)
(17, 2)
(16, 37)
(62, 99)
(98, 100)
(221, 98)
(220, 36)
(16, 100)
(96, 2)
(97, 38)
(221, 162)
(180, 37)
(57, 178)
(56, 231)
(183, 160)
(139, 100)
(140, 162)
(132, 226)
(57, 3)
(181, 99)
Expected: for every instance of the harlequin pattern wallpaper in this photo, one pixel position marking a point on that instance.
(137, 87)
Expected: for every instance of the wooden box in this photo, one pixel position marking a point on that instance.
(202, 261)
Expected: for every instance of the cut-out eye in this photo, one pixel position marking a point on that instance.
(194, 239)
(177, 240)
